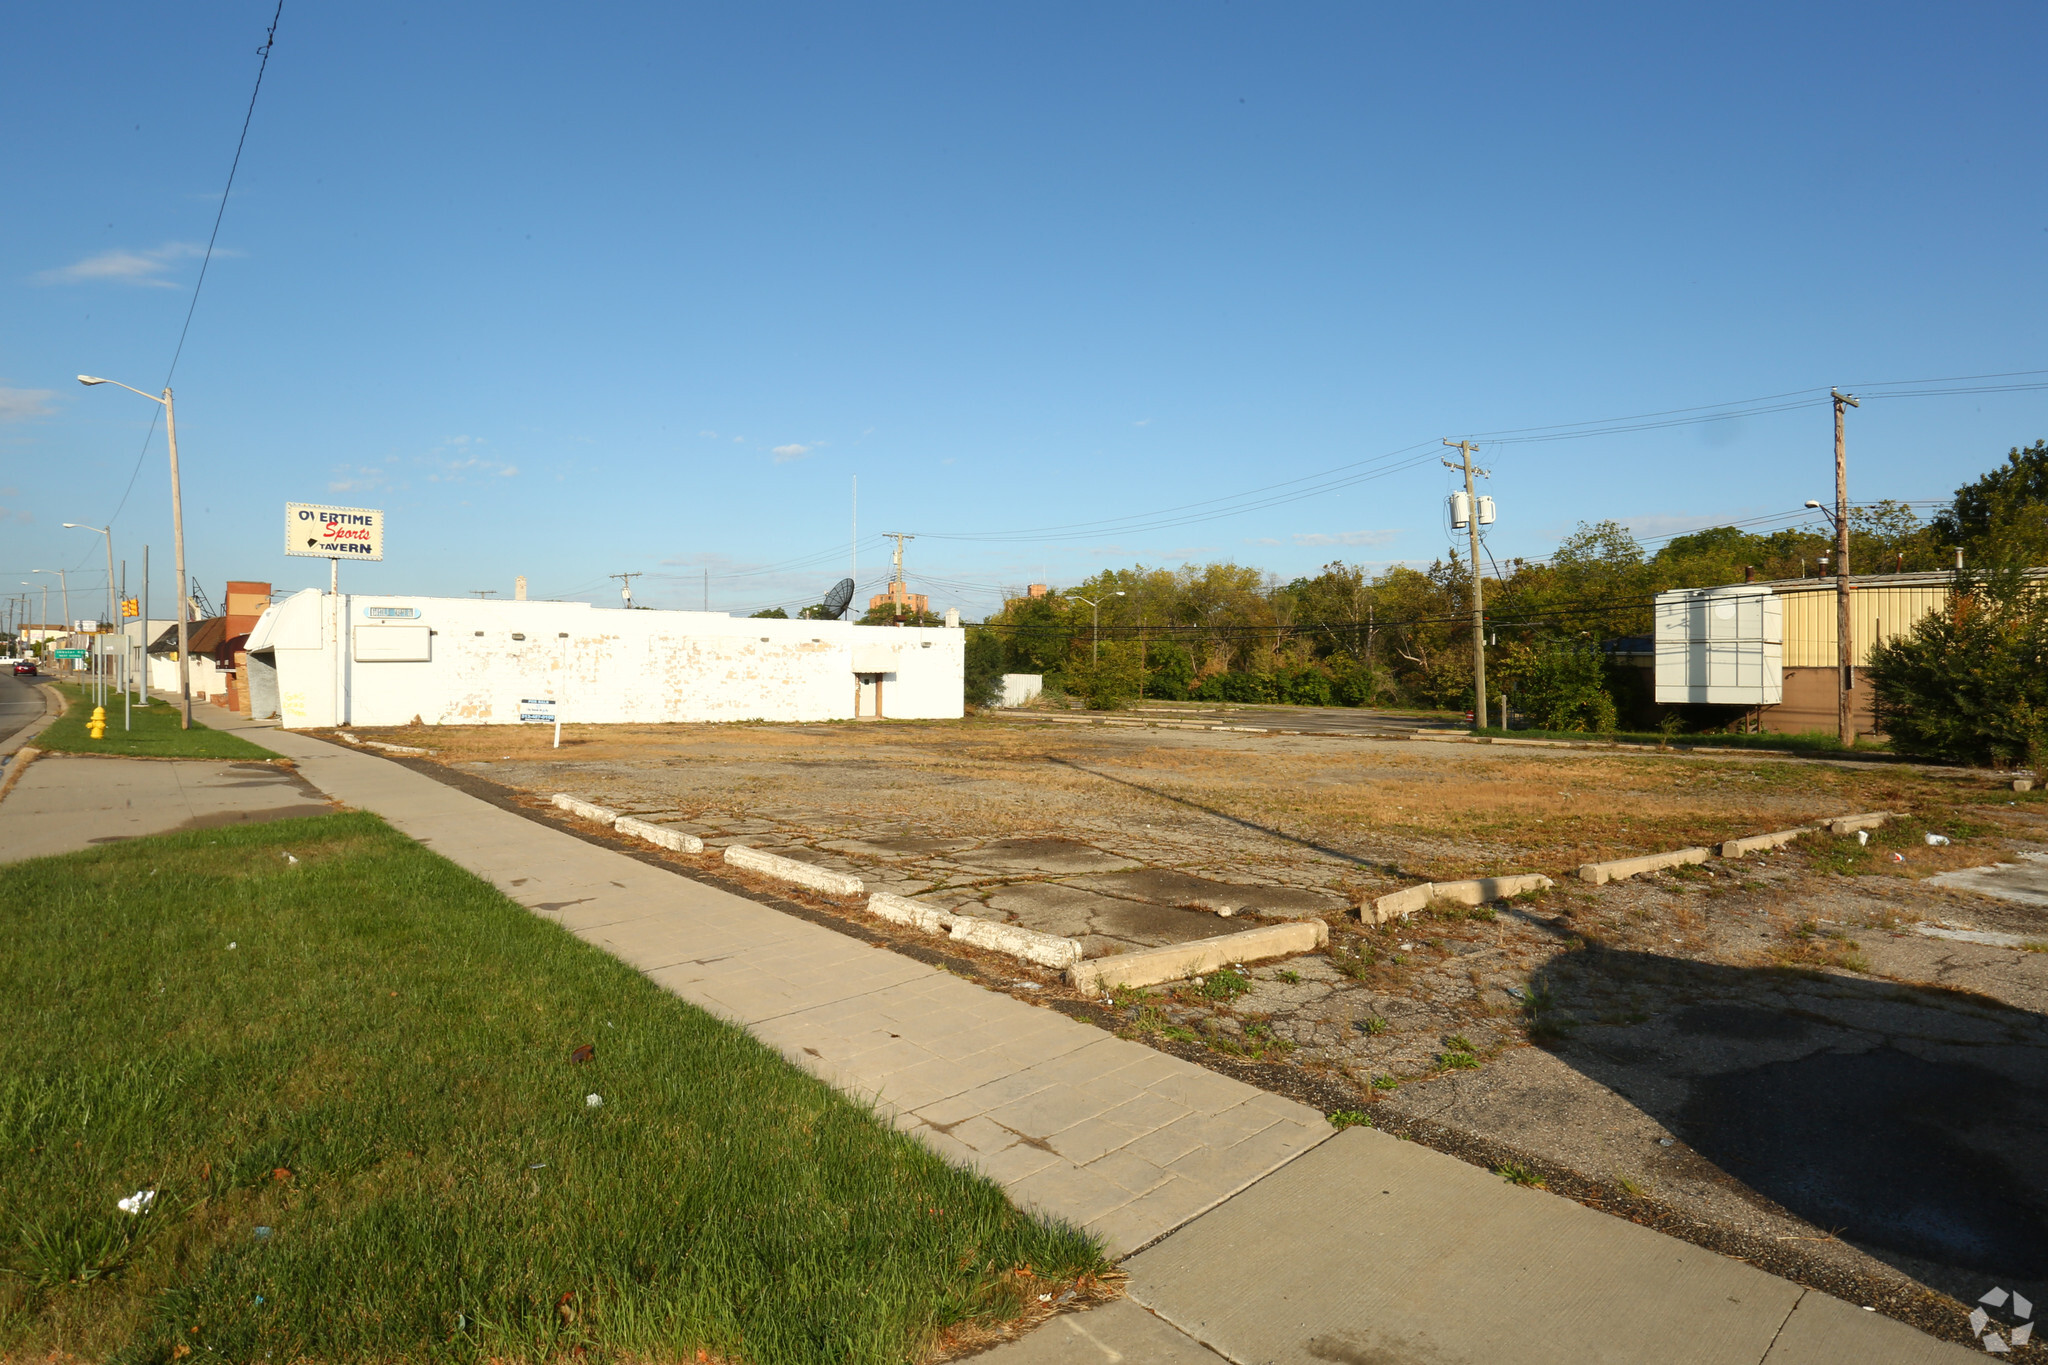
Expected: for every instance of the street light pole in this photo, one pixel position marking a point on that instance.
(1095, 643)
(1845, 673)
(177, 538)
(106, 533)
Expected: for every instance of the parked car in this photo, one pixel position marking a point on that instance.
(27, 666)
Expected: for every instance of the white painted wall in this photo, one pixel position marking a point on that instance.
(1721, 646)
(1019, 688)
(482, 658)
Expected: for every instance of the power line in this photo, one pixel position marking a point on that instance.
(269, 39)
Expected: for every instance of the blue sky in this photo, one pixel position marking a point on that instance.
(571, 291)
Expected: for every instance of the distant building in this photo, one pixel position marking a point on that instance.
(315, 659)
(1772, 648)
(907, 603)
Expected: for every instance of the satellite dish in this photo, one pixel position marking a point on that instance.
(836, 600)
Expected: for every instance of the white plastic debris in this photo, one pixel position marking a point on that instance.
(1863, 837)
(1936, 840)
(137, 1202)
(290, 859)
(232, 945)
(593, 1101)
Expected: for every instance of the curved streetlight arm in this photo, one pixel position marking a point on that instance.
(89, 380)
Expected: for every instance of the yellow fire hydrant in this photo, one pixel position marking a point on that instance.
(97, 726)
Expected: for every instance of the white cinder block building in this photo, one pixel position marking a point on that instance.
(316, 659)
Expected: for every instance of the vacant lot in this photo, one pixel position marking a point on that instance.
(1683, 1022)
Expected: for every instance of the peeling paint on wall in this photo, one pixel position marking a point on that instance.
(602, 666)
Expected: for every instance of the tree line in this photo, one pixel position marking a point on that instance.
(1402, 636)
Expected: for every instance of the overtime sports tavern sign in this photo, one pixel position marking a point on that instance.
(333, 532)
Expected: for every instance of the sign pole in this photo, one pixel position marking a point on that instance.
(334, 577)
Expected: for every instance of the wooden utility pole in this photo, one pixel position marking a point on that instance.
(1845, 644)
(1466, 450)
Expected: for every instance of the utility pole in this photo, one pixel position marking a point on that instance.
(1465, 451)
(481, 593)
(1845, 645)
(898, 589)
(626, 586)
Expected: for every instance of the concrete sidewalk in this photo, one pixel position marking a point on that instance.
(1285, 1245)
(66, 802)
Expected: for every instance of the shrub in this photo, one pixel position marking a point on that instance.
(1305, 687)
(1969, 683)
(1169, 671)
(1237, 687)
(1564, 688)
(982, 680)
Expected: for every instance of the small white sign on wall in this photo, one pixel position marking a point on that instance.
(393, 644)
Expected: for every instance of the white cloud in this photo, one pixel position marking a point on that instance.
(792, 451)
(456, 460)
(1145, 422)
(361, 479)
(125, 266)
(1341, 538)
(708, 435)
(18, 405)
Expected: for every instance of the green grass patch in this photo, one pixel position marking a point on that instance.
(369, 1137)
(153, 732)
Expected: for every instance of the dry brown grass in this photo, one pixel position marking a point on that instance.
(1438, 813)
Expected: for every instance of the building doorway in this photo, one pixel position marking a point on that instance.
(867, 696)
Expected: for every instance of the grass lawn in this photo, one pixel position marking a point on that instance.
(154, 732)
(350, 1081)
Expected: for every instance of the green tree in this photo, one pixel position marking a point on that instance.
(772, 614)
(1564, 687)
(2002, 518)
(1970, 683)
(982, 678)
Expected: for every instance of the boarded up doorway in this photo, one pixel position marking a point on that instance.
(867, 696)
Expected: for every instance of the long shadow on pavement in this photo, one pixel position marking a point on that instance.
(1910, 1121)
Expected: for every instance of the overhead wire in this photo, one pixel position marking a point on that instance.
(248, 116)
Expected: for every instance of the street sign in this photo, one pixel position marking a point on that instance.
(131, 607)
(70, 653)
(317, 532)
(537, 708)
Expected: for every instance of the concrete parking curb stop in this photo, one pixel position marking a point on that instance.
(659, 835)
(1178, 961)
(1849, 824)
(1756, 843)
(790, 870)
(1047, 950)
(584, 810)
(1475, 891)
(1621, 869)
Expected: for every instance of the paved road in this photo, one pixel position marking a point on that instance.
(21, 702)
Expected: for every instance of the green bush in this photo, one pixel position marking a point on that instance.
(1969, 683)
(1305, 687)
(1237, 687)
(1169, 671)
(1564, 688)
(982, 678)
